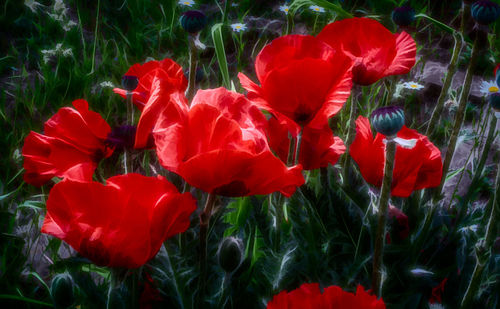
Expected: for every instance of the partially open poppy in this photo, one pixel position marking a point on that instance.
(303, 81)
(120, 224)
(375, 51)
(309, 296)
(318, 148)
(220, 146)
(74, 138)
(146, 73)
(416, 168)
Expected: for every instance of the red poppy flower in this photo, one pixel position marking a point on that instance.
(376, 52)
(317, 149)
(120, 224)
(146, 73)
(402, 229)
(221, 147)
(303, 81)
(74, 138)
(309, 296)
(416, 168)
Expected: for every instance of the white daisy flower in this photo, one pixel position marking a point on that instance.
(412, 85)
(317, 9)
(239, 27)
(106, 84)
(284, 8)
(189, 3)
(488, 88)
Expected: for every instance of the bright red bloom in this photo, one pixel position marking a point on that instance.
(375, 51)
(416, 168)
(309, 296)
(146, 73)
(220, 146)
(303, 81)
(74, 139)
(318, 147)
(120, 224)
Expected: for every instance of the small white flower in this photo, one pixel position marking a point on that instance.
(239, 27)
(284, 8)
(488, 88)
(57, 51)
(317, 9)
(32, 5)
(70, 24)
(435, 306)
(412, 85)
(106, 84)
(189, 3)
(234, 4)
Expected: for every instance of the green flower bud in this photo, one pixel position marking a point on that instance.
(193, 21)
(388, 120)
(485, 12)
(129, 82)
(230, 253)
(62, 291)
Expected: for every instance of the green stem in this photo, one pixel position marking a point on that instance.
(193, 62)
(350, 137)
(483, 248)
(390, 153)
(127, 162)
(204, 223)
(459, 118)
(297, 147)
(452, 69)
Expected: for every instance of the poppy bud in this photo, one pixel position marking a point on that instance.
(230, 253)
(129, 82)
(61, 291)
(494, 100)
(388, 120)
(193, 21)
(485, 12)
(403, 16)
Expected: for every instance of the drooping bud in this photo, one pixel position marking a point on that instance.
(485, 12)
(403, 16)
(388, 120)
(193, 21)
(62, 291)
(129, 82)
(230, 253)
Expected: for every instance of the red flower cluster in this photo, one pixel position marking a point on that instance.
(117, 224)
(309, 295)
(416, 168)
(375, 51)
(73, 144)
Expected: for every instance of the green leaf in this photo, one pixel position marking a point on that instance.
(221, 54)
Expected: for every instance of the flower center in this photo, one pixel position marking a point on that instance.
(493, 89)
(316, 9)
(413, 86)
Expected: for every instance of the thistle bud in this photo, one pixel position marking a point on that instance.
(388, 120)
(62, 291)
(193, 21)
(485, 12)
(403, 16)
(129, 82)
(230, 253)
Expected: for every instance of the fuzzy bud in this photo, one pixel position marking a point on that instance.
(230, 254)
(388, 120)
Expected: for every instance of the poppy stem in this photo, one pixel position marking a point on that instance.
(483, 248)
(291, 150)
(297, 147)
(127, 164)
(350, 136)
(452, 69)
(390, 153)
(193, 62)
(459, 117)
(204, 222)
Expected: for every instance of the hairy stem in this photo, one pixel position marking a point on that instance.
(349, 138)
(193, 62)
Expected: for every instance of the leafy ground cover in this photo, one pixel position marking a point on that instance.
(55, 52)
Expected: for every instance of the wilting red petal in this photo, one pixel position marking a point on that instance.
(318, 147)
(402, 226)
(120, 224)
(414, 169)
(221, 147)
(309, 295)
(73, 137)
(146, 74)
(437, 291)
(303, 81)
(375, 51)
